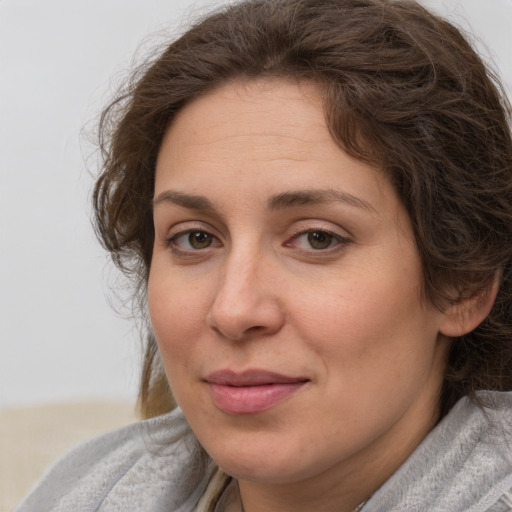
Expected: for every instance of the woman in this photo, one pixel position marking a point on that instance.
(314, 199)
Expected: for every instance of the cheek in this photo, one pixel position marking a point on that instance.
(177, 316)
(375, 325)
(175, 324)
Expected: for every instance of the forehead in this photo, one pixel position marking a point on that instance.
(268, 136)
(269, 112)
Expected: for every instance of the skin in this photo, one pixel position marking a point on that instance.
(347, 315)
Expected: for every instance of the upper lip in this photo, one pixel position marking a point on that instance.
(250, 378)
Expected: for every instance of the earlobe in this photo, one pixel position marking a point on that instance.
(465, 315)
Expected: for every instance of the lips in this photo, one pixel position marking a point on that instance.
(252, 391)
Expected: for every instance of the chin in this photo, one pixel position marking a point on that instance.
(262, 472)
(264, 462)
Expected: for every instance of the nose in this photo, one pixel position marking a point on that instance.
(246, 303)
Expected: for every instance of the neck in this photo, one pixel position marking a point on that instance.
(342, 488)
(286, 498)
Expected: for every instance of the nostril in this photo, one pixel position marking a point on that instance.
(239, 316)
(255, 328)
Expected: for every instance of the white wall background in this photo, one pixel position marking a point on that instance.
(59, 339)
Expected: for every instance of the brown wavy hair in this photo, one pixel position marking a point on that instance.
(403, 90)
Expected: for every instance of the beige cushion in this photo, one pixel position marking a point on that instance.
(31, 438)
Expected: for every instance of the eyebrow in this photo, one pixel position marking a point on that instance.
(192, 202)
(315, 197)
(290, 199)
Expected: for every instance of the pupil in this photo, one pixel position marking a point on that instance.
(199, 240)
(319, 240)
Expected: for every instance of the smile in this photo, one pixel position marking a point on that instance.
(252, 391)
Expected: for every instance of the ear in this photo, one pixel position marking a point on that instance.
(465, 315)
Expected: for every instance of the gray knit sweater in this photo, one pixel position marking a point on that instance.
(464, 464)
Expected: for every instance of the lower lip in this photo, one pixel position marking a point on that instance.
(251, 399)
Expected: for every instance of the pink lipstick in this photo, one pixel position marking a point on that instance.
(252, 391)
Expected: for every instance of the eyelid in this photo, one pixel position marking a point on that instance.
(182, 234)
(307, 226)
(304, 228)
(183, 229)
(192, 225)
(339, 238)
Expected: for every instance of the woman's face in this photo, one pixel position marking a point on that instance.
(285, 293)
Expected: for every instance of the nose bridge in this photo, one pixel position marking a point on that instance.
(241, 271)
(245, 301)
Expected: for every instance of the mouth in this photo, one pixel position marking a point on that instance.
(252, 391)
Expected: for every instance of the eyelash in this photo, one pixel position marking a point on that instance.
(171, 242)
(335, 242)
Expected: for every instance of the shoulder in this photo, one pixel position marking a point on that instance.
(463, 465)
(496, 443)
(127, 469)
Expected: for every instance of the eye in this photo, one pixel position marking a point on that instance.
(316, 240)
(319, 239)
(193, 240)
